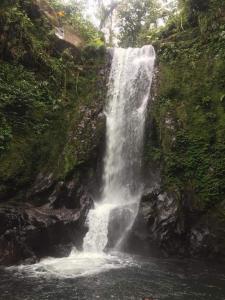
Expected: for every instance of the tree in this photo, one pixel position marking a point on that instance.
(107, 12)
(135, 17)
(192, 9)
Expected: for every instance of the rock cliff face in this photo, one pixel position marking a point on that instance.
(182, 210)
(169, 226)
(51, 105)
(51, 134)
(52, 131)
(28, 234)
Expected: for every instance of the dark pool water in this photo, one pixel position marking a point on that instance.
(143, 278)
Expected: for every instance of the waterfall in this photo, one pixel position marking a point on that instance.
(113, 216)
(128, 93)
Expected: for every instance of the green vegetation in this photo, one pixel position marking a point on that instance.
(48, 89)
(135, 19)
(49, 100)
(189, 112)
(72, 15)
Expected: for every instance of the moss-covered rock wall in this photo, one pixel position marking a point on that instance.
(190, 110)
(51, 99)
(186, 139)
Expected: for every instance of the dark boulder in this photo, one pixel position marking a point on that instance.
(164, 221)
(119, 220)
(28, 234)
(167, 224)
(159, 228)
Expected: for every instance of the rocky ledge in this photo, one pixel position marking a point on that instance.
(30, 233)
(169, 226)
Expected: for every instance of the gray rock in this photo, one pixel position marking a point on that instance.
(28, 234)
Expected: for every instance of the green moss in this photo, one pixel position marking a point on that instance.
(189, 114)
(46, 94)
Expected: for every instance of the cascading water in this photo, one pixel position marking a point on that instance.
(136, 278)
(128, 94)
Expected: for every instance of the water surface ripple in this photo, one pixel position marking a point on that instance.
(115, 276)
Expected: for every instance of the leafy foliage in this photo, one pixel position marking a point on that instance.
(43, 86)
(135, 18)
(189, 113)
(25, 100)
(73, 15)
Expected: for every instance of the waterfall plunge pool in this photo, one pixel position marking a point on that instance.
(113, 276)
(93, 274)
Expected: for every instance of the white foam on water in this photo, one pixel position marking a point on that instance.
(128, 94)
(78, 264)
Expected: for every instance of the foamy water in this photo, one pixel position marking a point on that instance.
(78, 264)
(128, 94)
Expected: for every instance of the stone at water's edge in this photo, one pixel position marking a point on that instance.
(118, 219)
(166, 226)
(63, 176)
(58, 224)
(160, 214)
(28, 234)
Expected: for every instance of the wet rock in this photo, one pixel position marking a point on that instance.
(43, 183)
(62, 250)
(158, 227)
(28, 234)
(70, 195)
(59, 45)
(119, 221)
(207, 235)
(169, 224)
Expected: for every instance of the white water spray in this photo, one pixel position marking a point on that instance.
(129, 88)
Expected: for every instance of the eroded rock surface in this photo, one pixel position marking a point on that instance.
(167, 225)
(28, 234)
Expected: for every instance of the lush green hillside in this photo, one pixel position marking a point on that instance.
(49, 100)
(189, 111)
(186, 136)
